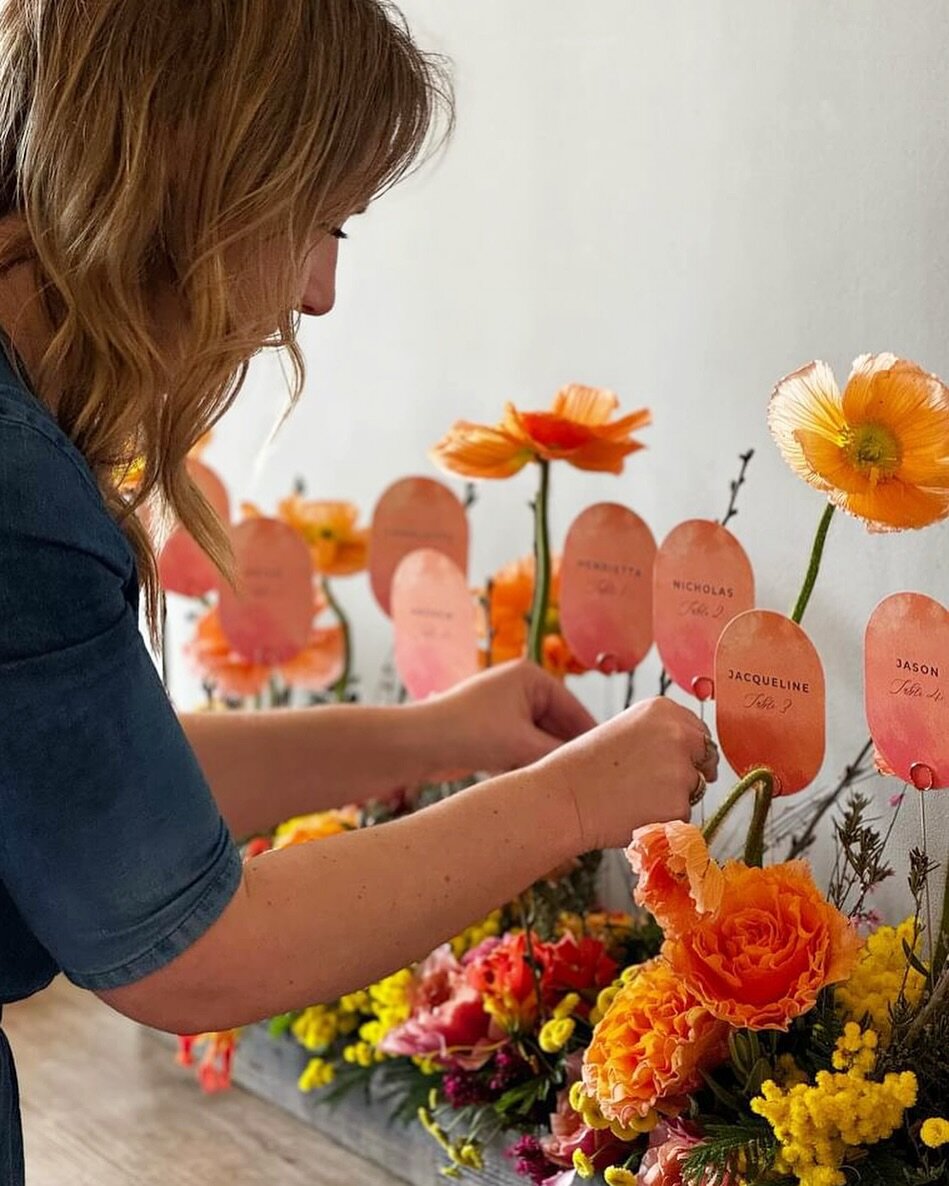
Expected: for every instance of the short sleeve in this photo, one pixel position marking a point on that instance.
(111, 845)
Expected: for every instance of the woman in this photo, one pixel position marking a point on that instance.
(173, 175)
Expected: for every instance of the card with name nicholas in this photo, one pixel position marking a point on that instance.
(770, 699)
(412, 514)
(268, 614)
(606, 588)
(703, 579)
(906, 669)
(435, 621)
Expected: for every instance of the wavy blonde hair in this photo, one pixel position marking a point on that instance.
(172, 162)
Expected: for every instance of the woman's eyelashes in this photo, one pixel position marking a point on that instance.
(338, 233)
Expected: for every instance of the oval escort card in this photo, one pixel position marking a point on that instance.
(703, 579)
(433, 612)
(606, 588)
(906, 671)
(414, 513)
(183, 567)
(769, 688)
(267, 615)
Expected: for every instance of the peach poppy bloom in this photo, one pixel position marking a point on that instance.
(761, 959)
(578, 428)
(337, 546)
(650, 1049)
(678, 879)
(512, 591)
(880, 451)
(317, 667)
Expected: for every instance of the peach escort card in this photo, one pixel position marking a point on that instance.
(703, 579)
(769, 687)
(436, 640)
(182, 566)
(267, 615)
(606, 588)
(414, 513)
(907, 687)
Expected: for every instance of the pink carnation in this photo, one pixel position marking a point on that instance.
(568, 1132)
(447, 1022)
(669, 1146)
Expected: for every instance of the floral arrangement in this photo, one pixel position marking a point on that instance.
(738, 1025)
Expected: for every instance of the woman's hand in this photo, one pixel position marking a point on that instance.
(643, 766)
(507, 717)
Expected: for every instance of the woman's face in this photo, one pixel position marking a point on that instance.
(319, 282)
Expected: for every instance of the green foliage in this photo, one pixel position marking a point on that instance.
(744, 1147)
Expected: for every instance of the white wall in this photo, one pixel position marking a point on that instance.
(679, 199)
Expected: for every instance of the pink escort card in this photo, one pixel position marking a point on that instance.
(907, 687)
(703, 579)
(436, 640)
(267, 616)
(606, 588)
(182, 566)
(414, 513)
(769, 686)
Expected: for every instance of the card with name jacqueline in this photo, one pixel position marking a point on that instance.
(906, 670)
(606, 588)
(770, 701)
(267, 615)
(703, 579)
(412, 514)
(182, 566)
(434, 615)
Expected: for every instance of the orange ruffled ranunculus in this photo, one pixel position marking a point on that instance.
(769, 949)
(512, 591)
(678, 879)
(317, 667)
(578, 428)
(880, 451)
(651, 1047)
(338, 548)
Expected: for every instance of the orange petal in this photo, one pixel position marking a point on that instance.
(477, 451)
(621, 428)
(828, 461)
(862, 390)
(553, 437)
(895, 506)
(592, 406)
(320, 664)
(807, 400)
(604, 456)
(350, 557)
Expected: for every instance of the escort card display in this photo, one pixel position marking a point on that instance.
(703, 580)
(414, 513)
(907, 688)
(606, 588)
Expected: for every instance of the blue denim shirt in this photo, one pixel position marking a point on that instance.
(113, 855)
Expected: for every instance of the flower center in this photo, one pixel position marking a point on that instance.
(874, 449)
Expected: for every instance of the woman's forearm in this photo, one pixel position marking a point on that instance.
(264, 767)
(317, 920)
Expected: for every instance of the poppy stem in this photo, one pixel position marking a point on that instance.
(813, 568)
(751, 779)
(341, 687)
(538, 622)
(754, 843)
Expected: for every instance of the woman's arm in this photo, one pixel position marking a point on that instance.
(264, 767)
(314, 921)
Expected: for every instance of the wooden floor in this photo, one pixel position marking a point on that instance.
(105, 1105)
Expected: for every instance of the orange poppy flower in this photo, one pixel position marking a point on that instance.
(337, 546)
(512, 591)
(317, 667)
(577, 428)
(880, 451)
